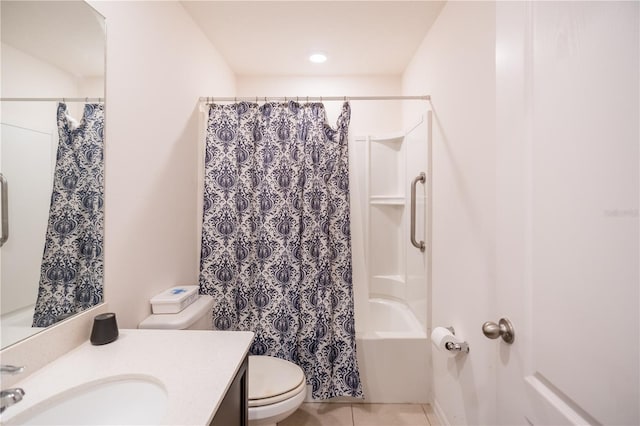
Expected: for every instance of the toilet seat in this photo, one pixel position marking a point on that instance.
(272, 380)
(277, 398)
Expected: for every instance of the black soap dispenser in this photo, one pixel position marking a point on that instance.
(105, 329)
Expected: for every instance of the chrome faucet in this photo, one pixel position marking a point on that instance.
(11, 396)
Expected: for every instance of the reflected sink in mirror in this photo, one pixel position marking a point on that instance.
(114, 401)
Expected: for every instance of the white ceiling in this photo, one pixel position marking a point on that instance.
(276, 37)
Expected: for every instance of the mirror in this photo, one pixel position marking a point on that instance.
(52, 51)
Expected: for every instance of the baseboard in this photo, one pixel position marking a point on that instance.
(442, 418)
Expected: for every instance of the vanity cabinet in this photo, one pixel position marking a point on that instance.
(234, 409)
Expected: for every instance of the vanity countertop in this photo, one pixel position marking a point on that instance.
(195, 367)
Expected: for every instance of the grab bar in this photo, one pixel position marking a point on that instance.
(4, 236)
(422, 178)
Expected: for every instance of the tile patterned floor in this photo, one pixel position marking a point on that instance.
(330, 414)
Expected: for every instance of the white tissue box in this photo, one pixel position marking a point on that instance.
(174, 300)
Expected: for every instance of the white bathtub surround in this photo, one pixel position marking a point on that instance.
(392, 343)
(390, 163)
(390, 318)
(194, 367)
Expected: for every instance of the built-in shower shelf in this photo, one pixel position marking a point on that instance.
(391, 279)
(388, 286)
(390, 200)
(395, 137)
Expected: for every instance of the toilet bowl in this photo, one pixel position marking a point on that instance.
(277, 387)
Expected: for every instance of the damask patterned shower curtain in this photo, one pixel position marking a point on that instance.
(72, 263)
(276, 250)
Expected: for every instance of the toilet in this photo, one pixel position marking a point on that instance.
(277, 387)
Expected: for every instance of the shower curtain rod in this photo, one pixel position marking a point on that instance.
(213, 99)
(98, 100)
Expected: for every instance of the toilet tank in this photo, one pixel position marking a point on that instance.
(196, 316)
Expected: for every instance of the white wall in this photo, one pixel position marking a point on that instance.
(25, 76)
(158, 64)
(455, 64)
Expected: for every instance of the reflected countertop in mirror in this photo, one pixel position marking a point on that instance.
(51, 50)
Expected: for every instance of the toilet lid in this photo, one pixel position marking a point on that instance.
(271, 377)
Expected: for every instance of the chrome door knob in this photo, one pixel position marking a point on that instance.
(503, 329)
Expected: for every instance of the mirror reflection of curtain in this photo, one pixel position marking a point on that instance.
(71, 274)
(276, 249)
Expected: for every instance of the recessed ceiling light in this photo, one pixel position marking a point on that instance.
(318, 57)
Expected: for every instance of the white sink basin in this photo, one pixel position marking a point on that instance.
(123, 400)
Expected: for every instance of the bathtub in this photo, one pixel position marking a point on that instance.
(393, 354)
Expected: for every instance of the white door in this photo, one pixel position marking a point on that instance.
(567, 201)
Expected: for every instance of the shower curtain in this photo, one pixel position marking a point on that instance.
(72, 263)
(276, 250)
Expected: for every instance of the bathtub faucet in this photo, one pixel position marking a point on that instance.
(12, 396)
